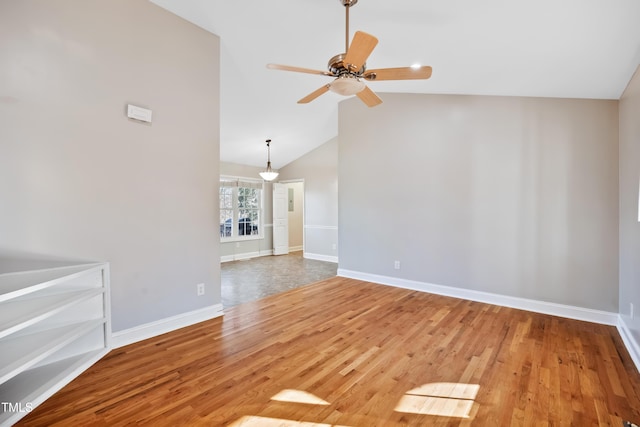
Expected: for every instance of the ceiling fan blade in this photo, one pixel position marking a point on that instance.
(369, 97)
(361, 47)
(402, 73)
(313, 95)
(298, 69)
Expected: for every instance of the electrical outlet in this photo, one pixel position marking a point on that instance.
(396, 265)
(333, 246)
(200, 289)
(631, 310)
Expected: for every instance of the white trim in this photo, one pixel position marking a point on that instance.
(320, 257)
(227, 258)
(633, 347)
(250, 238)
(162, 326)
(241, 256)
(568, 311)
(244, 178)
(321, 227)
(295, 248)
(245, 255)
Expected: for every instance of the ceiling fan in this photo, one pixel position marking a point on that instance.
(350, 68)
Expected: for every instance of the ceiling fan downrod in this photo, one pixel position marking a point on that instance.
(347, 4)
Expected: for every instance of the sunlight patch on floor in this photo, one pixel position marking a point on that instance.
(440, 399)
(255, 421)
(298, 396)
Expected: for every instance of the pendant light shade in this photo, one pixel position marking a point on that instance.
(269, 174)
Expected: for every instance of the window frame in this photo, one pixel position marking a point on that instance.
(235, 183)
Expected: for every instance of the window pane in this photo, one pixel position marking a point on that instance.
(249, 198)
(226, 222)
(226, 198)
(248, 222)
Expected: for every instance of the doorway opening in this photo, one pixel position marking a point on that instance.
(248, 279)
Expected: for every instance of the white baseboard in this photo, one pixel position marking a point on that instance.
(295, 248)
(245, 255)
(633, 346)
(159, 327)
(319, 257)
(568, 311)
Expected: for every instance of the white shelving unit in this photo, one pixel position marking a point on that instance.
(54, 324)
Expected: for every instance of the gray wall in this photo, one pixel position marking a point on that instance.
(513, 196)
(79, 180)
(319, 169)
(629, 225)
(242, 249)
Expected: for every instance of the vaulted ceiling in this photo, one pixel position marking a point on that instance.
(546, 48)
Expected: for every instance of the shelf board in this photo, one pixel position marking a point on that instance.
(15, 285)
(21, 353)
(36, 385)
(22, 313)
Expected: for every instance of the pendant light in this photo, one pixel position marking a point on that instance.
(269, 174)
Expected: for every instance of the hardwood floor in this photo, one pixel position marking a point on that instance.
(347, 353)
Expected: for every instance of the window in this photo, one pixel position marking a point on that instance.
(240, 209)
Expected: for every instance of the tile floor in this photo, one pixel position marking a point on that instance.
(255, 278)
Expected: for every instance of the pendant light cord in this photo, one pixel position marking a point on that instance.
(268, 151)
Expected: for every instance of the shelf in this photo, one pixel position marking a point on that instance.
(14, 285)
(21, 353)
(54, 324)
(36, 385)
(21, 313)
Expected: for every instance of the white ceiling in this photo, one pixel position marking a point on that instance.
(547, 48)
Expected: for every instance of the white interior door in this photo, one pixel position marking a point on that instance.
(280, 220)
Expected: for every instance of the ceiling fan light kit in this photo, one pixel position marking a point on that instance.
(269, 174)
(349, 68)
(346, 85)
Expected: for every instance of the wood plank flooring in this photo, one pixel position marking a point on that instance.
(343, 352)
